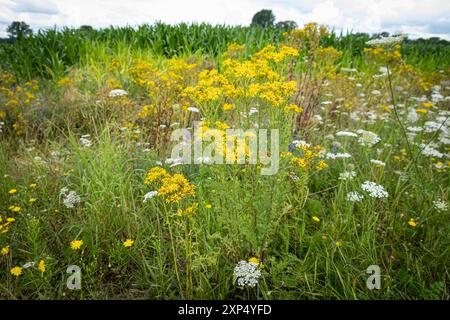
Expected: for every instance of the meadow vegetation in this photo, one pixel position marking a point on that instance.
(88, 178)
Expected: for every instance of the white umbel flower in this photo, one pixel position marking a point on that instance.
(85, 142)
(346, 134)
(70, 198)
(247, 273)
(368, 138)
(117, 93)
(378, 162)
(374, 190)
(354, 196)
(330, 155)
(440, 205)
(387, 41)
(150, 195)
(193, 109)
(347, 175)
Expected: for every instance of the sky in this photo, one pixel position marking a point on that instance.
(417, 18)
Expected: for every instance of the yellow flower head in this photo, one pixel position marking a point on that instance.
(412, 223)
(5, 251)
(16, 271)
(128, 243)
(15, 208)
(316, 219)
(253, 260)
(76, 244)
(228, 106)
(41, 266)
(208, 206)
(33, 185)
(12, 191)
(32, 200)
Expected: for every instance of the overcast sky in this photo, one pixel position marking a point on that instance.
(418, 18)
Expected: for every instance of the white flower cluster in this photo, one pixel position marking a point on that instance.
(440, 205)
(84, 140)
(374, 190)
(247, 273)
(193, 109)
(150, 195)
(330, 155)
(354, 196)
(368, 138)
(300, 143)
(414, 129)
(378, 162)
(430, 151)
(346, 134)
(387, 41)
(70, 197)
(117, 93)
(347, 175)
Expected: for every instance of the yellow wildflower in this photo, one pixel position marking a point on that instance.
(316, 219)
(41, 266)
(253, 260)
(12, 191)
(5, 251)
(15, 208)
(128, 243)
(16, 271)
(76, 244)
(228, 106)
(412, 223)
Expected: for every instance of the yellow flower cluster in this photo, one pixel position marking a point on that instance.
(173, 188)
(17, 98)
(5, 224)
(384, 56)
(252, 78)
(305, 157)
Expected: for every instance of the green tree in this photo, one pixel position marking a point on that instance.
(264, 18)
(19, 29)
(286, 25)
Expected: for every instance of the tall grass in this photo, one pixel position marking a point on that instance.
(49, 52)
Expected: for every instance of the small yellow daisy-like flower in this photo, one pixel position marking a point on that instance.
(253, 260)
(76, 244)
(16, 271)
(12, 191)
(5, 251)
(33, 185)
(15, 208)
(321, 165)
(316, 219)
(128, 243)
(412, 223)
(32, 200)
(208, 206)
(421, 110)
(41, 266)
(339, 244)
(228, 106)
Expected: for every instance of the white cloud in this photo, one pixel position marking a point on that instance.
(416, 17)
